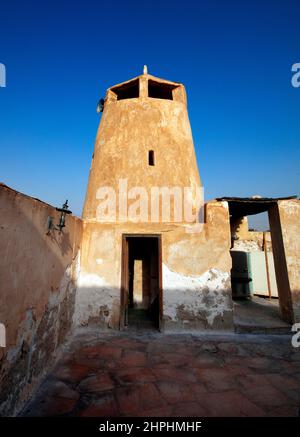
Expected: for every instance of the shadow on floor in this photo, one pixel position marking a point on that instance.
(139, 320)
(259, 315)
(158, 375)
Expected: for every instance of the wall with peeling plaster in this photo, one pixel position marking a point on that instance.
(196, 273)
(37, 291)
(197, 302)
(289, 214)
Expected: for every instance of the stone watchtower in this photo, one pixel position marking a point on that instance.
(130, 264)
(144, 137)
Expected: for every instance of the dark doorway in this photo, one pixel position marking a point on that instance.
(141, 301)
(255, 291)
(278, 310)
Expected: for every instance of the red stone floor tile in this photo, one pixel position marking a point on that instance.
(166, 359)
(134, 375)
(143, 397)
(205, 360)
(217, 379)
(51, 407)
(283, 382)
(59, 389)
(72, 372)
(133, 359)
(266, 396)
(173, 392)
(171, 375)
(189, 409)
(106, 406)
(230, 404)
(174, 374)
(284, 411)
(162, 411)
(96, 383)
(126, 343)
(251, 380)
(103, 351)
(128, 399)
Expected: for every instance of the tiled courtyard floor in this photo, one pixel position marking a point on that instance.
(153, 374)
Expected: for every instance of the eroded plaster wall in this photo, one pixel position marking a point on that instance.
(98, 292)
(195, 273)
(38, 274)
(289, 213)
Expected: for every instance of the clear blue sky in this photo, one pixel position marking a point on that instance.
(234, 58)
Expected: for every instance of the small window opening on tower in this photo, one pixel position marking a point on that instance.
(159, 90)
(127, 91)
(151, 157)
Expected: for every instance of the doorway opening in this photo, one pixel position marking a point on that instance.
(141, 291)
(259, 278)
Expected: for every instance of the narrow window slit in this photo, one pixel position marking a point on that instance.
(151, 157)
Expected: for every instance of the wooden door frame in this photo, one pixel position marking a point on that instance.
(124, 276)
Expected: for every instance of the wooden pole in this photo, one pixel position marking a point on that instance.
(267, 264)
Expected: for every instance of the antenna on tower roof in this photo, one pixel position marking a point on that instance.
(145, 69)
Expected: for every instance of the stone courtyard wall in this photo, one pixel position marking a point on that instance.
(38, 275)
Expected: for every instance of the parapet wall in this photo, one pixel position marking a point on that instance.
(38, 276)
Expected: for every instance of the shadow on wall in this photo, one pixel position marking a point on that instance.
(61, 240)
(184, 309)
(38, 274)
(205, 310)
(97, 304)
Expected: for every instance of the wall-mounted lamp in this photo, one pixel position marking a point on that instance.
(62, 219)
(100, 106)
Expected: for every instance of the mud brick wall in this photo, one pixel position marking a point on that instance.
(38, 274)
